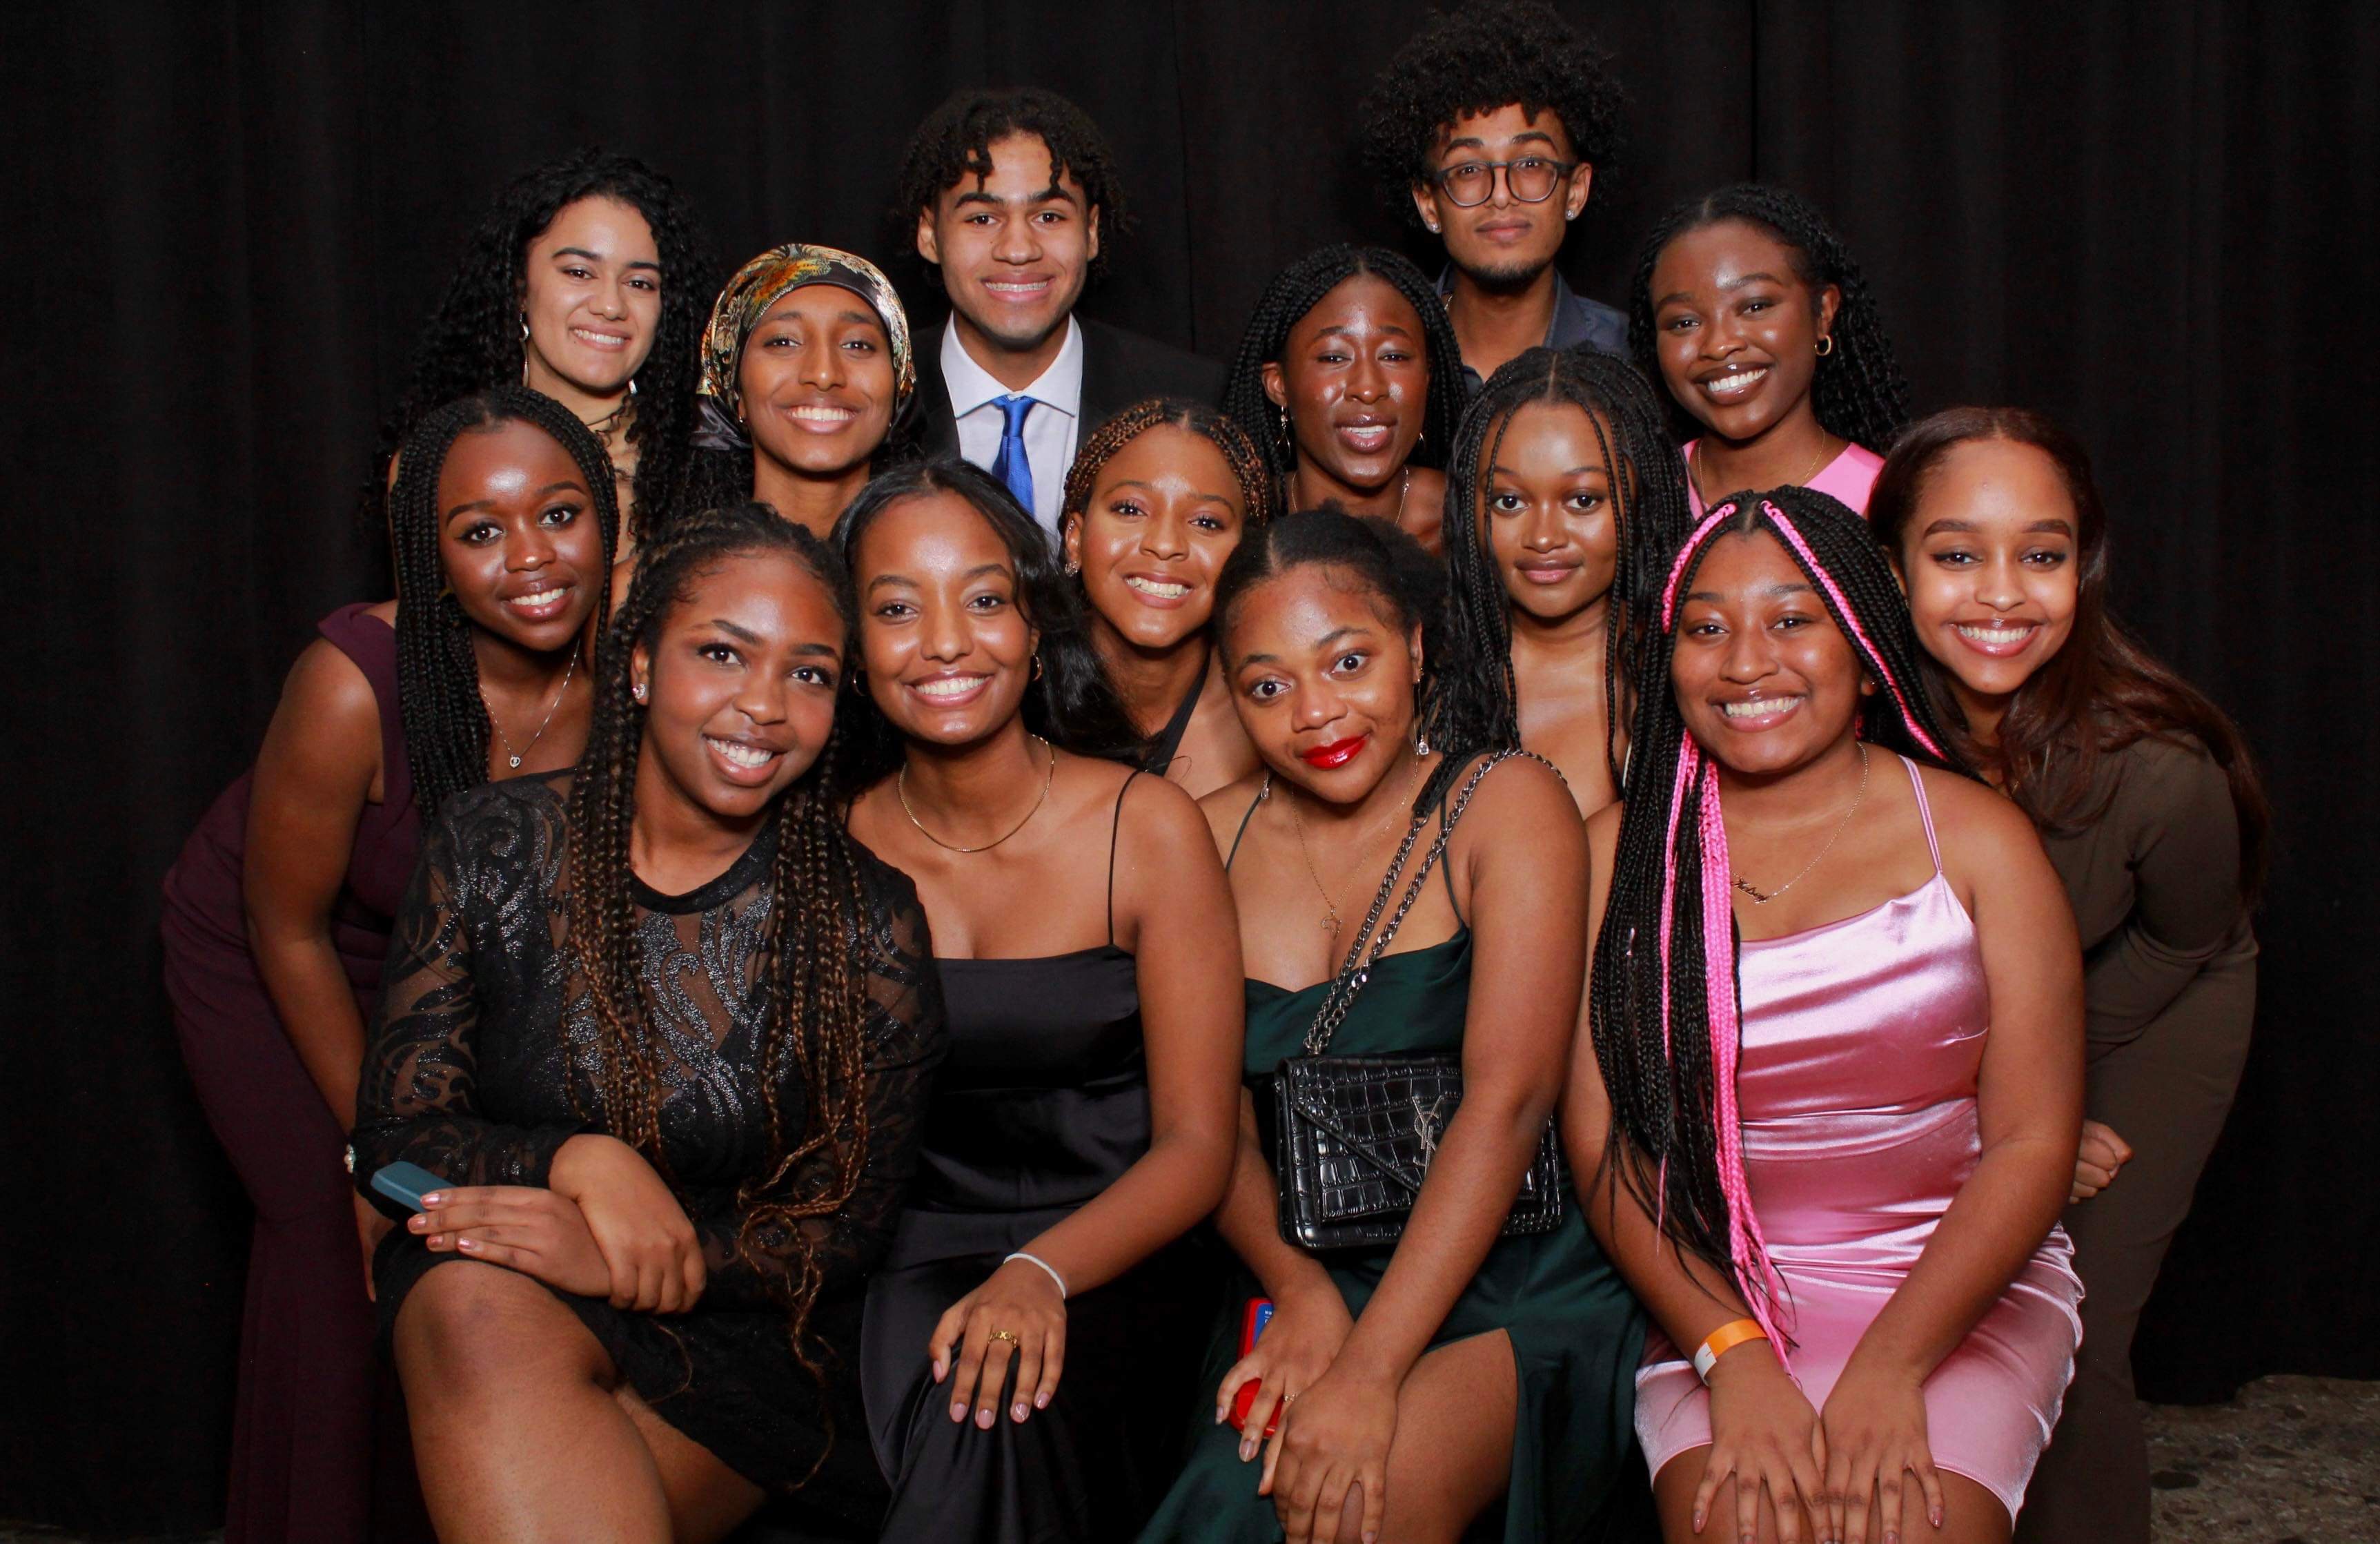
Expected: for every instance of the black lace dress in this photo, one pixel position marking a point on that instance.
(468, 1077)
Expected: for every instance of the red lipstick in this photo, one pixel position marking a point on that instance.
(1338, 753)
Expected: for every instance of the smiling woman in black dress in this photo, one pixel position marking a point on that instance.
(1035, 1328)
(665, 1031)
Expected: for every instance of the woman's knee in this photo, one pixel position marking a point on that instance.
(466, 1324)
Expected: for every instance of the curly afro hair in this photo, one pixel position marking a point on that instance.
(473, 341)
(955, 140)
(1476, 59)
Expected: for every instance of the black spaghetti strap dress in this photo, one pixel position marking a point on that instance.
(1041, 1105)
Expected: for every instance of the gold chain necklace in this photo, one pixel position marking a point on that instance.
(1760, 898)
(900, 787)
(1331, 920)
(513, 758)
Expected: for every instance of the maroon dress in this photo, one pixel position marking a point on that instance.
(302, 1441)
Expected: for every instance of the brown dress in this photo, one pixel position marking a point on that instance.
(2169, 983)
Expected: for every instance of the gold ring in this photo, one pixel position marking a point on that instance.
(1008, 1335)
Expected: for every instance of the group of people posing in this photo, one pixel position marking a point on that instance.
(1505, 920)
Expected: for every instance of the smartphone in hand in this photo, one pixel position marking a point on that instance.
(406, 1184)
(1252, 1328)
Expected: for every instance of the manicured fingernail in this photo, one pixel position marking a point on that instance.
(1891, 1536)
(958, 1410)
(471, 1244)
(1698, 1522)
(1218, 1415)
(1041, 1402)
(436, 1241)
(1247, 1450)
(939, 1369)
(983, 1419)
(1935, 1517)
(418, 1223)
(1017, 1412)
(436, 1198)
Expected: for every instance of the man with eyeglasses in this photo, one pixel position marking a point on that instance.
(1488, 126)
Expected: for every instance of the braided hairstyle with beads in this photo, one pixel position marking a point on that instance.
(1664, 1004)
(1192, 418)
(1296, 290)
(438, 698)
(1649, 514)
(1858, 392)
(810, 971)
(473, 341)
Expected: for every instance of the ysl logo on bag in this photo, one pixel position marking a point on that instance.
(1429, 1124)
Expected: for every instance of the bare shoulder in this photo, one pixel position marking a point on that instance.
(1158, 816)
(1228, 806)
(1519, 788)
(326, 684)
(1982, 830)
(384, 611)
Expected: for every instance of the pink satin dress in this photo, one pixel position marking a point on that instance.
(1862, 1041)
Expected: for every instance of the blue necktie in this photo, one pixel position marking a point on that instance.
(1013, 466)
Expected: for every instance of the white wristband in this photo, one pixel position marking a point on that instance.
(1044, 1265)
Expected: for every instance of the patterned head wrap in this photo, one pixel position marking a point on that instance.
(768, 279)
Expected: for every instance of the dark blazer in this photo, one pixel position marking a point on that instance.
(1119, 369)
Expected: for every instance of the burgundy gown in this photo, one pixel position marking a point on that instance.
(303, 1459)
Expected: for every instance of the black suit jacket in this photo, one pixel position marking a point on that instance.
(1119, 369)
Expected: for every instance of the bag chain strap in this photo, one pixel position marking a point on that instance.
(1352, 975)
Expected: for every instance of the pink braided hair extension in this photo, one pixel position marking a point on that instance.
(1747, 1247)
(1851, 619)
(1711, 522)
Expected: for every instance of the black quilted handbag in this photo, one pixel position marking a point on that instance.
(1354, 1134)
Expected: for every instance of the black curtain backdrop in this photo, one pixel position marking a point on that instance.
(231, 219)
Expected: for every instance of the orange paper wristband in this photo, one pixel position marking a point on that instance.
(1721, 1341)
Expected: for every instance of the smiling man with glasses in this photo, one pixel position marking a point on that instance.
(1488, 126)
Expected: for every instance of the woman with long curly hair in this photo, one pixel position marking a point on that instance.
(1158, 499)
(1836, 1011)
(279, 910)
(2149, 803)
(662, 1032)
(1752, 314)
(587, 281)
(1029, 1341)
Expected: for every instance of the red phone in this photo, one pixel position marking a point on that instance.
(1252, 1328)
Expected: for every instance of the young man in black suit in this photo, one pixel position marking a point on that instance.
(1487, 127)
(1012, 192)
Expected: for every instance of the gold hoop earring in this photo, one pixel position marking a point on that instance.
(524, 321)
(1037, 667)
(1826, 344)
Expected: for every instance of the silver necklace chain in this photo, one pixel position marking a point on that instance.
(513, 758)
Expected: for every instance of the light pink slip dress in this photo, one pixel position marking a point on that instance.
(1861, 1041)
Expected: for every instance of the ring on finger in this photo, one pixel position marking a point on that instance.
(1008, 1335)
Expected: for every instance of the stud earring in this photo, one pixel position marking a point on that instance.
(1072, 568)
(637, 691)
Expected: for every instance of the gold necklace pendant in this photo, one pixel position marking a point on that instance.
(900, 788)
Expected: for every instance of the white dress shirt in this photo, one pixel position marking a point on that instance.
(1052, 428)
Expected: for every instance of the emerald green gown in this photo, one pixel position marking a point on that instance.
(1576, 1331)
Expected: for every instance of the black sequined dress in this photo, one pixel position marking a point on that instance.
(468, 1075)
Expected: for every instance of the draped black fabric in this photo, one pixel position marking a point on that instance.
(230, 220)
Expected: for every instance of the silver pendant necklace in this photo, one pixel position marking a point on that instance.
(513, 758)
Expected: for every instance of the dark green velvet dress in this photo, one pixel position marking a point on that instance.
(1575, 1329)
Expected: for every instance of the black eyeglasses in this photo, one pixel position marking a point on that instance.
(1532, 178)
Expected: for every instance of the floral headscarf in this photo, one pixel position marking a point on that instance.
(768, 279)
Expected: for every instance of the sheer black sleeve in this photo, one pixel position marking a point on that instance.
(905, 1042)
(475, 911)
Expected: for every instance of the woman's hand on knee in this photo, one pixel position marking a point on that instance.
(1874, 1423)
(1336, 1437)
(1016, 1315)
(1765, 1433)
(1297, 1347)
(646, 1242)
(521, 1227)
